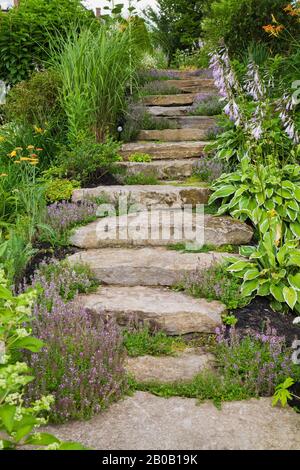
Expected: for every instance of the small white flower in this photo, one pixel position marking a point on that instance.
(296, 321)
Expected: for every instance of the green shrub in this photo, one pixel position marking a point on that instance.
(60, 189)
(36, 101)
(27, 31)
(140, 158)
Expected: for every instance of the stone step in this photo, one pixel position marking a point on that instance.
(183, 99)
(167, 111)
(174, 135)
(162, 169)
(174, 313)
(192, 85)
(190, 122)
(146, 422)
(144, 266)
(148, 196)
(161, 228)
(182, 367)
(165, 150)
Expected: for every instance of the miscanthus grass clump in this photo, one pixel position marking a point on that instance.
(81, 364)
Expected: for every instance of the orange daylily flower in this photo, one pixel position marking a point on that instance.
(292, 11)
(39, 149)
(34, 155)
(273, 30)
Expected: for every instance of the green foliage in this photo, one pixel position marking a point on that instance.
(26, 31)
(211, 106)
(283, 393)
(189, 59)
(89, 161)
(215, 283)
(18, 423)
(96, 69)
(36, 101)
(141, 178)
(240, 22)
(143, 342)
(60, 189)
(140, 158)
(176, 25)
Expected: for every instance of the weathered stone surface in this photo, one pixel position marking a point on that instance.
(173, 135)
(190, 122)
(169, 100)
(192, 85)
(161, 228)
(147, 196)
(147, 422)
(165, 150)
(167, 369)
(168, 111)
(162, 169)
(144, 266)
(173, 312)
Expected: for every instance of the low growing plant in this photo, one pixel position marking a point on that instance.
(141, 178)
(140, 158)
(142, 342)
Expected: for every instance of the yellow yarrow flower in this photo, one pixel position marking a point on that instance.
(13, 153)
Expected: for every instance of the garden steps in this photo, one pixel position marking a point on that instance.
(162, 169)
(174, 135)
(190, 122)
(175, 313)
(182, 366)
(183, 99)
(145, 266)
(192, 85)
(165, 150)
(167, 111)
(161, 228)
(146, 195)
(146, 422)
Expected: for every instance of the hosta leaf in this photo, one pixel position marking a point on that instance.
(251, 274)
(297, 194)
(264, 289)
(292, 204)
(295, 228)
(239, 266)
(246, 250)
(290, 296)
(294, 259)
(291, 214)
(249, 286)
(288, 185)
(224, 191)
(294, 281)
(277, 292)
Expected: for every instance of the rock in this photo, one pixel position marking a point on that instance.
(147, 422)
(161, 228)
(167, 369)
(173, 135)
(192, 85)
(169, 100)
(147, 196)
(144, 266)
(172, 111)
(174, 313)
(162, 169)
(165, 150)
(190, 122)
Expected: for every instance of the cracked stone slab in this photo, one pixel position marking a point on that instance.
(190, 122)
(165, 150)
(174, 135)
(167, 111)
(147, 422)
(162, 169)
(193, 85)
(174, 313)
(147, 196)
(161, 228)
(182, 367)
(144, 266)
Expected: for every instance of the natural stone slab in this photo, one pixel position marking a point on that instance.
(144, 266)
(169, 100)
(168, 111)
(174, 313)
(147, 196)
(167, 369)
(147, 422)
(193, 85)
(165, 150)
(162, 169)
(161, 228)
(173, 135)
(191, 122)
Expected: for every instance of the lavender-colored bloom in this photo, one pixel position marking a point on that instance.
(63, 215)
(286, 107)
(254, 84)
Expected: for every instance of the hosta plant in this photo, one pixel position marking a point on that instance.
(256, 187)
(272, 268)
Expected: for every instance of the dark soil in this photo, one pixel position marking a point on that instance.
(101, 180)
(46, 252)
(295, 402)
(258, 314)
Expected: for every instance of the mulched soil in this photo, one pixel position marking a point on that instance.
(46, 252)
(258, 314)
